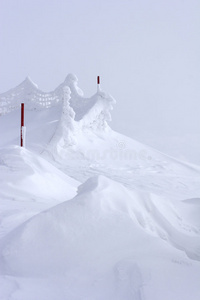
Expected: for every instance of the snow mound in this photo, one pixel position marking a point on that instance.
(103, 225)
(25, 173)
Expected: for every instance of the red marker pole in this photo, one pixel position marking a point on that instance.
(22, 124)
(98, 83)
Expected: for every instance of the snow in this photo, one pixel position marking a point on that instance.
(28, 178)
(87, 213)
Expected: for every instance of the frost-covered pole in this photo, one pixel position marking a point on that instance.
(23, 128)
(98, 83)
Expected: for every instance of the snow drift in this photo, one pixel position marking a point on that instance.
(29, 174)
(105, 229)
(132, 230)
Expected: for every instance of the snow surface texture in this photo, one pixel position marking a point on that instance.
(132, 229)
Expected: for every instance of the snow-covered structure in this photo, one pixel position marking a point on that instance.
(67, 124)
(93, 111)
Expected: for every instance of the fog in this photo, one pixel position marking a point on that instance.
(146, 52)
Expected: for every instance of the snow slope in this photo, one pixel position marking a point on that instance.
(132, 231)
(27, 179)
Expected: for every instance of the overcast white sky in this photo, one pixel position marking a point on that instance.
(146, 51)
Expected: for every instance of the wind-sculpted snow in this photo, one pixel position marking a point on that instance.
(132, 232)
(124, 160)
(19, 168)
(28, 93)
(105, 230)
(28, 178)
(89, 112)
